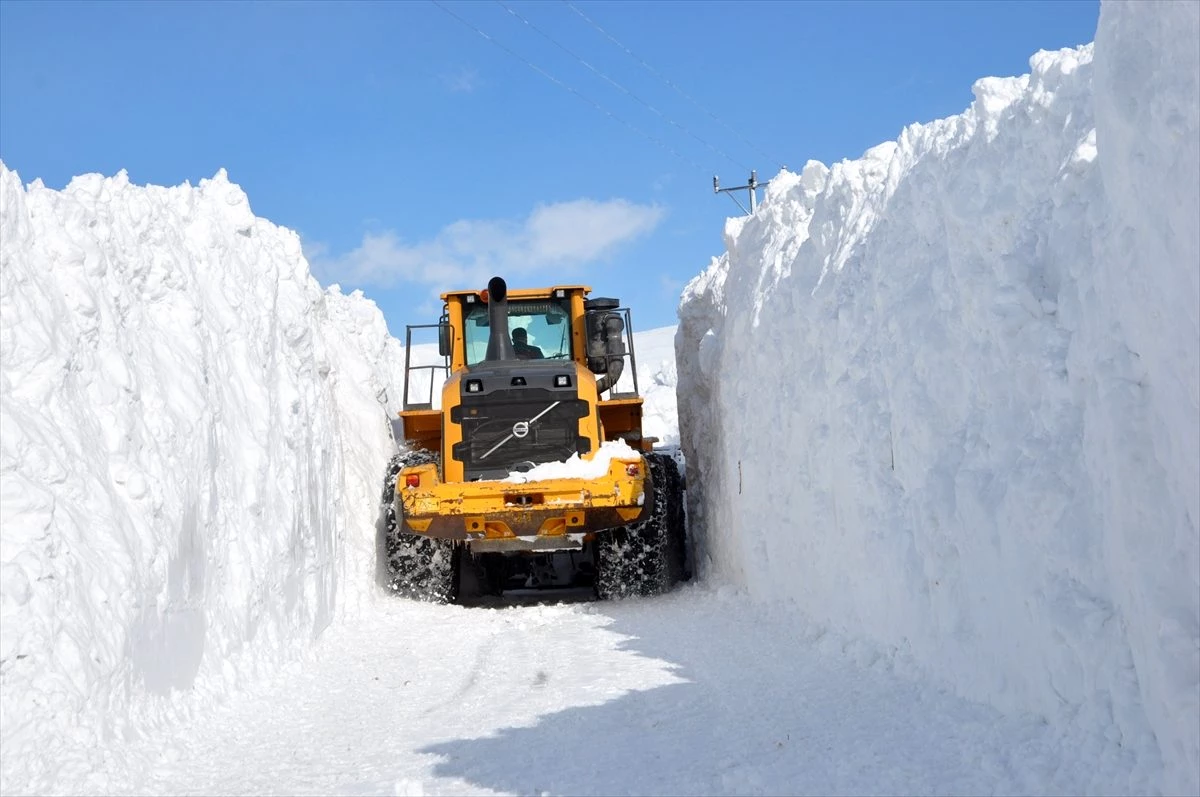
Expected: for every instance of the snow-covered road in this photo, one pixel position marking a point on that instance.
(699, 692)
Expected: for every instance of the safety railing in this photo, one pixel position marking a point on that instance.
(431, 369)
(629, 373)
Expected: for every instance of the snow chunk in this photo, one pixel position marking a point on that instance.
(592, 466)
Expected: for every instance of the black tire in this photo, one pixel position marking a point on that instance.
(676, 521)
(416, 567)
(647, 557)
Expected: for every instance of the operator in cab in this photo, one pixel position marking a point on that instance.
(520, 339)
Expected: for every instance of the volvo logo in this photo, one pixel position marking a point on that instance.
(520, 429)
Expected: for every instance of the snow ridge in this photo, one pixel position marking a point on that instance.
(191, 433)
(980, 348)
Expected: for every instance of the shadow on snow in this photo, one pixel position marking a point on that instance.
(762, 710)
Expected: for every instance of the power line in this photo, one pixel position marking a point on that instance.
(571, 89)
(667, 80)
(622, 88)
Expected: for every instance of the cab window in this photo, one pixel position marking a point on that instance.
(545, 324)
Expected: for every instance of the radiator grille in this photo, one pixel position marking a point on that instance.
(508, 430)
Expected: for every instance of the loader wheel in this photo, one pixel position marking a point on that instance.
(676, 521)
(420, 568)
(647, 557)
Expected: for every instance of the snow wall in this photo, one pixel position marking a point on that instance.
(192, 438)
(981, 345)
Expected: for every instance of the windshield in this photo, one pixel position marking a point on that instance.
(540, 329)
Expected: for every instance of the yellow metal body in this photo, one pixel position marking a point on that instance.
(495, 510)
(444, 505)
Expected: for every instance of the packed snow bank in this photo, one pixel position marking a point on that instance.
(947, 397)
(191, 441)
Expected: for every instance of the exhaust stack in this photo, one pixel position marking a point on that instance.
(499, 342)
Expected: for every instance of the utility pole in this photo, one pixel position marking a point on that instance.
(752, 186)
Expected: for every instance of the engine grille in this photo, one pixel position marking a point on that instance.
(507, 430)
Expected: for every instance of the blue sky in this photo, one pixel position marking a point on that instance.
(413, 154)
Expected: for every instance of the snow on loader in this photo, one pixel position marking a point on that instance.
(473, 505)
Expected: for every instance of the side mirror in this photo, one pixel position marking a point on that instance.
(444, 339)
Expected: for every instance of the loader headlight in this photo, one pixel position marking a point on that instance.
(474, 385)
(562, 380)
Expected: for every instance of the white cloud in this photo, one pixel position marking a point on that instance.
(585, 230)
(553, 239)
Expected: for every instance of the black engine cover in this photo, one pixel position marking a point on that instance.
(518, 417)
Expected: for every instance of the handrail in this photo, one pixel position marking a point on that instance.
(409, 368)
(612, 393)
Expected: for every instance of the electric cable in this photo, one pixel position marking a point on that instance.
(668, 81)
(717, 150)
(569, 88)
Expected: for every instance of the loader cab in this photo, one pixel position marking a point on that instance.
(551, 317)
(587, 342)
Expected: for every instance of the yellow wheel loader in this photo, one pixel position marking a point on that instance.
(531, 472)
